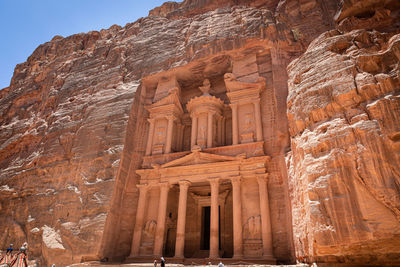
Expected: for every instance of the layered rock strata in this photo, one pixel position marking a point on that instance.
(343, 110)
(73, 124)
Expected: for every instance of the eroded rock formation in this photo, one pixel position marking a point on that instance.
(343, 110)
(73, 125)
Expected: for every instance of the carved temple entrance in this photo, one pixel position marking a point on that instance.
(207, 198)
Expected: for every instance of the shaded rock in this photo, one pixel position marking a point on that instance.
(343, 110)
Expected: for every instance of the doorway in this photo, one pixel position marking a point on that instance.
(205, 227)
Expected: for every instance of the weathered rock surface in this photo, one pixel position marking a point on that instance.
(72, 127)
(343, 110)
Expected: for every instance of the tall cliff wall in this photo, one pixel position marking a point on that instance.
(73, 125)
(343, 110)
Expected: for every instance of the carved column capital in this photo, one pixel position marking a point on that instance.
(194, 115)
(184, 184)
(170, 117)
(164, 185)
(212, 112)
(262, 178)
(151, 120)
(213, 181)
(235, 179)
(143, 187)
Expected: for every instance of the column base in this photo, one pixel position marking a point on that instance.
(237, 257)
(131, 259)
(269, 258)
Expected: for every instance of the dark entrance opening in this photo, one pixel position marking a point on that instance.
(205, 227)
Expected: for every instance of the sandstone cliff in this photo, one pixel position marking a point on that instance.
(343, 110)
(73, 129)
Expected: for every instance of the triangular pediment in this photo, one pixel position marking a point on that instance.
(166, 104)
(196, 158)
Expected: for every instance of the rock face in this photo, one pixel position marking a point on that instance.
(73, 125)
(343, 110)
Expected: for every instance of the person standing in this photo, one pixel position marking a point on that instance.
(21, 260)
(220, 264)
(162, 262)
(7, 259)
(10, 249)
(155, 263)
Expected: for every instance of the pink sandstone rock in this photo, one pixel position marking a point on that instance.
(73, 126)
(343, 111)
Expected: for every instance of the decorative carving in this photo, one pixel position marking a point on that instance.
(252, 237)
(202, 132)
(252, 228)
(149, 231)
(207, 107)
(205, 89)
(232, 84)
(248, 122)
(244, 94)
(160, 135)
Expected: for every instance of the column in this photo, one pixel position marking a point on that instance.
(257, 114)
(169, 134)
(182, 132)
(137, 232)
(265, 216)
(150, 137)
(210, 129)
(180, 228)
(235, 133)
(223, 131)
(193, 141)
(237, 218)
(219, 130)
(162, 210)
(214, 220)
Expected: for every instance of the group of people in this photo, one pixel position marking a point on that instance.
(162, 261)
(11, 259)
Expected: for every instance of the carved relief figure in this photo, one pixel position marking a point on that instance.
(248, 122)
(252, 237)
(149, 232)
(202, 132)
(252, 228)
(160, 133)
(205, 89)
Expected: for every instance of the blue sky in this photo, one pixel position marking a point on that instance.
(25, 24)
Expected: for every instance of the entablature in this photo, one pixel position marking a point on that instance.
(199, 166)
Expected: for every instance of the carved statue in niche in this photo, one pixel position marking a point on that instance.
(247, 131)
(248, 122)
(149, 232)
(160, 133)
(252, 228)
(252, 237)
(202, 132)
(205, 89)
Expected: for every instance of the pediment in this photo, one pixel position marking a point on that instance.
(170, 100)
(198, 157)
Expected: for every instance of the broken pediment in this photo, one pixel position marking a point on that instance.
(232, 84)
(169, 104)
(198, 157)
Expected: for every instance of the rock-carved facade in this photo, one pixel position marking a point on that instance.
(192, 198)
